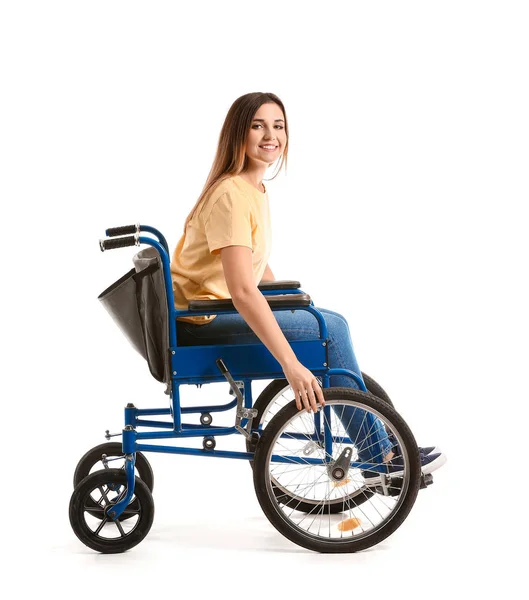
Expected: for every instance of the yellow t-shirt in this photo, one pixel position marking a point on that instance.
(233, 213)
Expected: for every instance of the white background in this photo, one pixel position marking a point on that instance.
(402, 209)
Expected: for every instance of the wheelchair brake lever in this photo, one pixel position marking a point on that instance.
(242, 411)
(234, 387)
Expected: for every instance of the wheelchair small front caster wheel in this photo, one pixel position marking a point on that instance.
(206, 419)
(209, 443)
(103, 489)
(110, 456)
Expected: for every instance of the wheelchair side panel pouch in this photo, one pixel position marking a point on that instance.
(138, 304)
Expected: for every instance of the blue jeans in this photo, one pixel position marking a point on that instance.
(301, 325)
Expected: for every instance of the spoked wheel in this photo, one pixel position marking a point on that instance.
(285, 458)
(272, 399)
(98, 531)
(94, 460)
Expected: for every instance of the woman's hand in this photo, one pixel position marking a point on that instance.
(305, 386)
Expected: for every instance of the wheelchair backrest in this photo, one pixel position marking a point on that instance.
(137, 302)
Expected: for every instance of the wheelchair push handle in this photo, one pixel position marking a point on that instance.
(121, 242)
(123, 230)
(135, 229)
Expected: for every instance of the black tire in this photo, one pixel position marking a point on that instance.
(92, 538)
(376, 389)
(267, 496)
(268, 397)
(112, 450)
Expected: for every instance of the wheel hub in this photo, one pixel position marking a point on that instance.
(340, 467)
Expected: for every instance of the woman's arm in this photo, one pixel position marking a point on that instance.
(255, 310)
(268, 275)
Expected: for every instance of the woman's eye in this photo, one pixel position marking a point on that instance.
(259, 125)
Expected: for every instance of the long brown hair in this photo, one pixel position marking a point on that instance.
(230, 158)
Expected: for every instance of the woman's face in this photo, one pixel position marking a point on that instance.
(267, 129)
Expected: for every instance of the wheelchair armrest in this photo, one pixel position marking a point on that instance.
(285, 301)
(279, 285)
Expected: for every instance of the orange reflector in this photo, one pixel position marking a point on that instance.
(349, 524)
(343, 482)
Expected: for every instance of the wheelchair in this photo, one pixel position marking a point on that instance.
(308, 476)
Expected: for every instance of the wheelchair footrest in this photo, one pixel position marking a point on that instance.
(426, 480)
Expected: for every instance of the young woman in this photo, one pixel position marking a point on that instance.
(224, 251)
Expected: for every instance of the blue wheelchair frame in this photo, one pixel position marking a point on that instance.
(197, 365)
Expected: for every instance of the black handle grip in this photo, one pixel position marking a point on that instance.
(221, 365)
(118, 243)
(123, 230)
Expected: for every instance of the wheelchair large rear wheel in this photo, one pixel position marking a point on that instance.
(93, 461)
(99, 532)
(272, 399)
(280, 460)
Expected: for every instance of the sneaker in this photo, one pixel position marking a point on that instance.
(429, 463)
(426, 450)
(430, 450)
